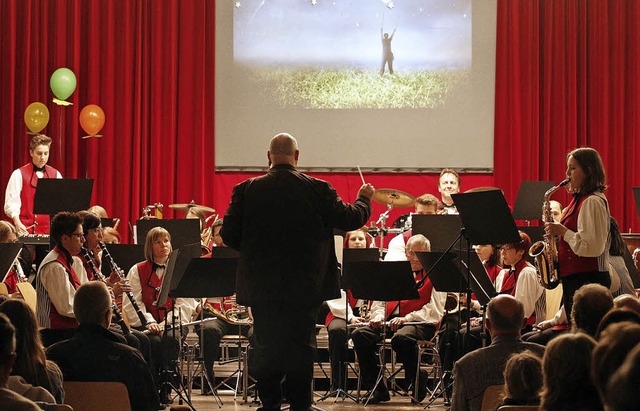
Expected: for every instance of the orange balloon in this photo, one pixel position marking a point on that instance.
(92, 119)
(36, 116)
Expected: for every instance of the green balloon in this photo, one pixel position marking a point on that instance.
(63, 83)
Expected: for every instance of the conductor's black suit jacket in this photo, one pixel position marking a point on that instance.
(282, 225)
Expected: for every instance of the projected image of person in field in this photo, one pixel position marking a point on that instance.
(317, 54)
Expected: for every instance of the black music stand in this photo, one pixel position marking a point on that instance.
(61, 194)
(106, 222)
(529, 200)
(636, 197)
(124, 255)
(183, 230)
(9, 252)
(381, 281)
(440, 229)
(176, 266)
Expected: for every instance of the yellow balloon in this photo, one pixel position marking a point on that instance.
(36, 116)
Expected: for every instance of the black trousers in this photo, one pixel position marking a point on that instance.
(403, 342)
(284, 340)
(338, 351)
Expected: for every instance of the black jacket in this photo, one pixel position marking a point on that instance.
(282, 225)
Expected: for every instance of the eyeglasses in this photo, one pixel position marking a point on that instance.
(97, 230)
(81, 235)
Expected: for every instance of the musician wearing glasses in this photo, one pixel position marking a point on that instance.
(21, 189)
(428, 311)
(583, 231)
(59, 276)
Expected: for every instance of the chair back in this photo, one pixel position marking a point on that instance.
(96, 396)
(491, 397)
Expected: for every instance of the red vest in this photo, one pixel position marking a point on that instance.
(149, 283)
(569, 262)
(29, 184)
(511, 278)
(407, 306)
(58, 321)
(11, 281)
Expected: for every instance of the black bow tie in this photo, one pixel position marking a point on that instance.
(157, 266)
(36, 168)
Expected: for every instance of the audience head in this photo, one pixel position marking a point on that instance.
(505, 316)
(448, 183)
(66, 231)
(283, 149)
(622, 389)
(523, 379)
(92, 304)
(359, 238)
(29, 349)
(615, 316)
(588, 171)
(590, 303)
(110, 235)
(157, 245)
(426, 204)
(628, 301)
(611, 351)
(416, 243)
(8, 233)
(566, 367)
(7, 349)
(39, 149)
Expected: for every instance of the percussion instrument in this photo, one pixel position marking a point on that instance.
(395, 198)
(34, 239)
(192, 204)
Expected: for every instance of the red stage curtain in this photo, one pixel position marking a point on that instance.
(567, 76)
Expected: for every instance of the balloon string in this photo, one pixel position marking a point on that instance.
(60, 148)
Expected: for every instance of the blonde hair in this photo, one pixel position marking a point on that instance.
(6, 228)
(152, 236)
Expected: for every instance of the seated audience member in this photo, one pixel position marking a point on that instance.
(566, 367)
(31, 362)
(630, 302)
(590, 303)
(621, 282)
(477, 370)
(339, 311)
(428, 309)
(610, 352)
(522, 379)
(59, 276)
(94, 354)
(110, 235)
(615, 316)
(622, 389)
(10, 400)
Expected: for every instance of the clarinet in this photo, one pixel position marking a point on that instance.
(99, 277)
(119, 272)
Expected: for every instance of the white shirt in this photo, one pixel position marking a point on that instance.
(12, 201)
(592, 236)
(431, 313)
(54, 287)
(183, 309)
(529, 292)
(395, 252)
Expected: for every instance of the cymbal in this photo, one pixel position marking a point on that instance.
(396, 198)
(192, 204)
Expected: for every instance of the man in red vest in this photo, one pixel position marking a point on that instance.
(427, 311)
(21, 189)
(59, 276)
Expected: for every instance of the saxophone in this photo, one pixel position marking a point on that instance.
(545, 252)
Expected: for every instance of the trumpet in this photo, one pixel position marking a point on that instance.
(230, 311)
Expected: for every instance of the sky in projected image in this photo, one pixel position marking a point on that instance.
(430, 34)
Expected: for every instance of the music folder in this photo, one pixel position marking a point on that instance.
(176, 266)
(209, 277)
(183, 231)
(382, 280)
(124, 255)
(529, 201)
(8, 254)
(62, 194)
(441, 230)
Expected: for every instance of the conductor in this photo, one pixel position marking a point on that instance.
(282, 225)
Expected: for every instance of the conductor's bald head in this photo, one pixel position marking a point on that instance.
(283, 149)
